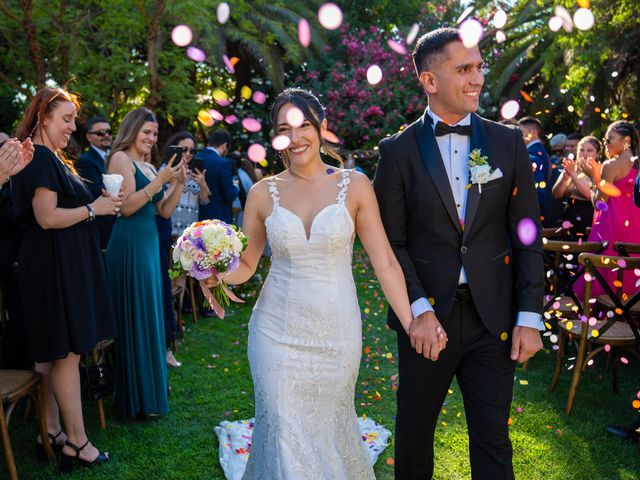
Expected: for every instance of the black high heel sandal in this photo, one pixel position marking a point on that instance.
(41, 454)
(68, 462)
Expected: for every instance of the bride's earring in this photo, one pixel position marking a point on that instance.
(323, 151)
(626, 146)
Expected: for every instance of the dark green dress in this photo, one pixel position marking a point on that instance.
(135, 281)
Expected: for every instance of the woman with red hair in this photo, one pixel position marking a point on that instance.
(65, 296)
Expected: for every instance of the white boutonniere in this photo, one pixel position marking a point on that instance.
(479, 169)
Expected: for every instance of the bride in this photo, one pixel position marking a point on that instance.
(305, 331)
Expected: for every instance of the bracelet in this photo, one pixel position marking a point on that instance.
(144, 189)
(92, 214)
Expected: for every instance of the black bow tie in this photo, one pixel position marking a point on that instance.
(444, 129)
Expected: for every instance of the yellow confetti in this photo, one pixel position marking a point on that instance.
(170, 119)
(245, 92)
(432, 300)
(569, 325)
(220, 95)
(524, 382)
(504, 336)
(595, 333)
(205, 118)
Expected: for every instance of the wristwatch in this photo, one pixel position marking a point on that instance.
(92, 214)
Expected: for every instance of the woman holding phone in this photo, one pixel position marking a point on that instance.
(194, 192)
(133, 265)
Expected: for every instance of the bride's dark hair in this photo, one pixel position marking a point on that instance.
(314, 113)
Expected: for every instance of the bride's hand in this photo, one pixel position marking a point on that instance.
(211, 282)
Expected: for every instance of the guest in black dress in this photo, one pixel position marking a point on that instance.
(61, 275)
(575, 188)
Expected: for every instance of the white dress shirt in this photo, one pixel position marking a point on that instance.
(102, 153)
(455, 149)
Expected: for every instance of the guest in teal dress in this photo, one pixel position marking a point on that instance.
(133, 266)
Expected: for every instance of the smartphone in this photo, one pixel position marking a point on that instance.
(196, 164)
(177, 151)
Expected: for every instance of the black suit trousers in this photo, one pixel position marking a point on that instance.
(485, 374)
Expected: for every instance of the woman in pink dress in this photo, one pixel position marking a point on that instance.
(615, 218)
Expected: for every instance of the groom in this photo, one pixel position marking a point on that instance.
(465, 264)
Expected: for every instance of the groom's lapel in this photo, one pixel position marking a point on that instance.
(478, 140)
(432, 159)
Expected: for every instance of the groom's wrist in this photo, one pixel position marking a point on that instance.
(420, 306)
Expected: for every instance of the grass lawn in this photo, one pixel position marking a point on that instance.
(214, 384)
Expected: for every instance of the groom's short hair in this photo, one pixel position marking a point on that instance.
(432, 44)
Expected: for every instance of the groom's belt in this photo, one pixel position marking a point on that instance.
(463, 293)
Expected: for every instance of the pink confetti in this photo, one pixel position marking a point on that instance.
(607, 348)
(280, 142)
(566, 224)
(330, 16)
(470, 32)
(413, 33)
(294, 117)
(624, 360)
(195, 54)
(231, 119)
(622, 263)
(304, 33)
(510, 109)
(228, 64)
(181, 35)
(251, 125)
(223, 102)
(397, 47)
(256, 152)
(216, 114)
(259, 97)
(527, 231)
(374, 74)
(555, 23)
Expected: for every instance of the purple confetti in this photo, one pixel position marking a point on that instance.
(527, 231)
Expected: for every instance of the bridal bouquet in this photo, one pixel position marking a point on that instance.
(208, 249)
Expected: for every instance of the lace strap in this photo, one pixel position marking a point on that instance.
(343, 185)
(273, 190)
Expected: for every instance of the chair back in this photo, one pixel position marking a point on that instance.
(622, 303)
(625, 249)
(562, 269)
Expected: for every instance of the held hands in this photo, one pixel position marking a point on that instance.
(525, 343)
(427, 336)
(107, 205)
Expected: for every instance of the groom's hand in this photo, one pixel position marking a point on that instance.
(427, 336)
(525, 343)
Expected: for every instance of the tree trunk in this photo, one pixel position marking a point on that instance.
(34, 44)
(153, 48)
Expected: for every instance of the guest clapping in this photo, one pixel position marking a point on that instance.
(61, 273)
(575, 186)
(14, 156)
(133, 266)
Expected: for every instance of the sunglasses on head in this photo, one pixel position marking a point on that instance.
(100, 133)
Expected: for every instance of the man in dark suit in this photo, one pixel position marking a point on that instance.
(92, 164)
(454, 229)
(219, 178)
(532, 133)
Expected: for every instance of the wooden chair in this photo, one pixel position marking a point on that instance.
(99, 354)
(14, 386)
(618, 329)
(625, 249)
(561, 273)
(192, 296)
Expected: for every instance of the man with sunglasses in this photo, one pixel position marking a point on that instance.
(92, 164)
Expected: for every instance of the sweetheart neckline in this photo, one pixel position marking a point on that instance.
(308, 237)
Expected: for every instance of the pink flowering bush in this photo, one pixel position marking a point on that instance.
(359, 113)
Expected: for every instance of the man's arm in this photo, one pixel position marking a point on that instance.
(91, 175)
(390, 193)
(528, 262)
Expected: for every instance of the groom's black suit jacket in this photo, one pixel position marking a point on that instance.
(420, 217)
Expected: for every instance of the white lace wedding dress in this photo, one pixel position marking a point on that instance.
(304, 349)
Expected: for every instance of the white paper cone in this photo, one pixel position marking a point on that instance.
(112, 183)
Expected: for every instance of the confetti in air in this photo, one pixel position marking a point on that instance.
(181, 35)
(470, 32)
(374, 74)
(304, 33)
(510, 109)
(256, 153)
(330, 16)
